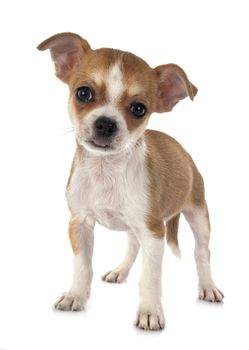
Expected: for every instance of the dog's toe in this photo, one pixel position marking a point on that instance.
(150, 318)
(150, 321)
(115, 276)
(70, 302)
(210, 293)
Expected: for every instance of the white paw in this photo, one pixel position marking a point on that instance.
(70, 302)
(150, 318)
(210, 293)
(115, 276)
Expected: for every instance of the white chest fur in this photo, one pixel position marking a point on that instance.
(110, 189)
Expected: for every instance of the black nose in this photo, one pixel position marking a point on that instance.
(105, 127)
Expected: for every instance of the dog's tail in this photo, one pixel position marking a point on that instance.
(171, 235)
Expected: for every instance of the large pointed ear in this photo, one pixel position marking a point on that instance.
(173, 86)
(67, 51)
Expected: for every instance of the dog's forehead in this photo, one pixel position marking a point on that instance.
(118, 71)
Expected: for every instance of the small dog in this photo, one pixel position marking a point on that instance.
(125, 177)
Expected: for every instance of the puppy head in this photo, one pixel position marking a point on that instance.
(113, 93)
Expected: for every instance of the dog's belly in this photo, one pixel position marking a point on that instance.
(113, 220)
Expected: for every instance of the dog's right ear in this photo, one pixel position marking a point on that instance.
(67, 51)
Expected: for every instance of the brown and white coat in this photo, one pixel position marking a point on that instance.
(141, 183)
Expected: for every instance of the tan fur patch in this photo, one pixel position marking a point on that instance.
(136, 70)
(170, 178)
(175, 182)
(92, 72)
(172, 230)
(75, 160)
(73, 235)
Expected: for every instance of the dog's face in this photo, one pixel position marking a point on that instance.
(113, 93)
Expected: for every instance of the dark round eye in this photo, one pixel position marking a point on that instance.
(138, 109)
(84, 94)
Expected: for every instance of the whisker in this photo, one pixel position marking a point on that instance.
(66, 128)
(66, 131)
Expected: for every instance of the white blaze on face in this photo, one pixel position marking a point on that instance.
(114, 84)
(115, 87)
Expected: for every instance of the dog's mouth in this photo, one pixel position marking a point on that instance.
(101, 143)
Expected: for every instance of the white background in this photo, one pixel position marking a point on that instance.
(209, 39)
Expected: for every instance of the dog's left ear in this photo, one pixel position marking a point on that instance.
(67, 50)
(173, 86)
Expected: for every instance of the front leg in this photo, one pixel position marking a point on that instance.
(119, 274)
(81, 238)
(150, 312)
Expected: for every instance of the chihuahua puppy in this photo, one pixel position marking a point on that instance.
(125, 177)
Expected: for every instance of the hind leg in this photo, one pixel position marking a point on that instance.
(120, 273)
(198, 219)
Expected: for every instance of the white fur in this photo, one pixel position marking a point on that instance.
(121, 272)
(111, 189)
(79, 292)
(150, 312)
(197, 219)
(114, 83)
